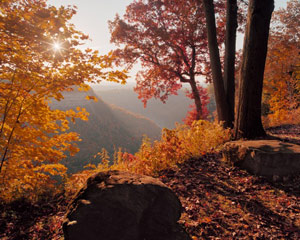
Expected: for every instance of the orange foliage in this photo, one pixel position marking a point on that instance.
(33, 137)
(281, 92)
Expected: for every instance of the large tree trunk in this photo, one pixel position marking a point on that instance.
(248, 120)
(196, 98)
(222, 105)
(229, 65)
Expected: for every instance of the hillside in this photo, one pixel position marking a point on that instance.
(164, 114)
(108, 128)
(137, 125)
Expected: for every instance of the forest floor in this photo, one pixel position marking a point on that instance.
(219, 202)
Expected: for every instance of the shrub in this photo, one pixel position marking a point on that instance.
(175, 146)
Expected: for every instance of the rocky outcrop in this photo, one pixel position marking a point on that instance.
(122, 206)
(273, 159)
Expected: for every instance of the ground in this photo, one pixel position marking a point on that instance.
(223, 202)
(288, 133)
(219, 202)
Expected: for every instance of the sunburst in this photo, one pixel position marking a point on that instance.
(57, 46)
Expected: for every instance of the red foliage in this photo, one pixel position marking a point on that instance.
(192, 114)
(169, 39)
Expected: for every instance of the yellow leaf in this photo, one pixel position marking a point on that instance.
(92, 98)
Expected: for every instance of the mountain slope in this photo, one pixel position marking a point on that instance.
(137, 125)
(108, 128)
(165, 115)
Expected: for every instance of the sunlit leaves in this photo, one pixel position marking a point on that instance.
(39, 59)
(92, 98)
(281, 84)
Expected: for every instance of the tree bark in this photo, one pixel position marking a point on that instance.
(229, 64)
(248, 120)
(197, 99)
(222, 105)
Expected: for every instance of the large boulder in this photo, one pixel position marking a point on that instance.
(273, 159)
(118, 205)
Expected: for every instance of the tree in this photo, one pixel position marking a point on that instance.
(169, 39)
(192, 114)
(248, 122)
(40, 58)
(229, 62)
(281, 93)
(248, 117)
(215, 62)
(224, 86)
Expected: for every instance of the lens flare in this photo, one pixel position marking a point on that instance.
(56, 46)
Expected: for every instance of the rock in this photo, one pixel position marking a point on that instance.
(273, 159)
(117, 205)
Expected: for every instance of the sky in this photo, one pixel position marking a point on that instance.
(92, 18)
(93, 15)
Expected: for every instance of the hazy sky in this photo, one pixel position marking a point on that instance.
(92, 17)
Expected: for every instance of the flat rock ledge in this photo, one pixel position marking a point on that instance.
(117, 205)
(273, 159)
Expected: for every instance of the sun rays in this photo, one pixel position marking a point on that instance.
(57, 46)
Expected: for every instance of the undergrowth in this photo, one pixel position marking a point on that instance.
(174, 147)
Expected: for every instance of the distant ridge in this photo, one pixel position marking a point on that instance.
(109, 127)
(164, 115)
(136, 124)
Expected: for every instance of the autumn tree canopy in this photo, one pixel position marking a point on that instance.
(169, 40)
(40, 58)
(281, 95)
